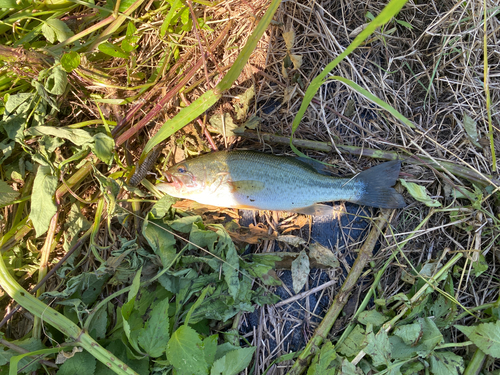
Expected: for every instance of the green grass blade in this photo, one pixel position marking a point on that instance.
(204, 102)
(368, 95)
(385, 16)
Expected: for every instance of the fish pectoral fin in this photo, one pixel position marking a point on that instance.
(315, 209)
(247, 186)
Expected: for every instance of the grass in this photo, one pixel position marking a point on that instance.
(89, 90)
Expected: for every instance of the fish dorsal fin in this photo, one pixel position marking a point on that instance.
(247, 186)
(312, 165)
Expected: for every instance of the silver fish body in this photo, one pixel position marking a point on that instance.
(248, 179)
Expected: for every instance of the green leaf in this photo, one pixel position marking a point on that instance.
(233, 362)
(470, 127)
(231, 266)
(30, 345)
(57, 81)
(372, 317)
(210, 348)
(82, 363)
(176, 6)
(378, 347)
(77, 136)
(405, 24)
(485, 336)
(112, 50)
(446, 363)
(185, 352)
(140, 366)
(349, 369)
(300, 271)
(409, 333)
(104, 147)
(160, 239)
(56, 29)
(352, 344)
(70, 61)
(321, 364)
(43, 207)
(7, 194)
(429, 339)
(154, 337)
(480, 266)
(420, 194)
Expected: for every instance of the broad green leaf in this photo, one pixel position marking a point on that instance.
(56, 29)
(187, 23)
(349, 369)
(210, 348)
(378, 347)
(112, 50)
(56, 83)
(321, 364)
(26, 363)
(231, 266)
(82, 363)
(99, 323)
(300, 271)
(372, 317)
(409, 333)
(104, 147)
(43, 207)
(154, 337)
(185, 351)
(140, 366)
(353, 343)
(485, 336)
(77, 136)
(420, 194)
(70, 61)
(446, 363)
(131, 323)
(160, 239)
(430, 338)
(233, 362)
(480, 265)
(7, 194)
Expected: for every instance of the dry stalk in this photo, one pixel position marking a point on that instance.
(364, 256)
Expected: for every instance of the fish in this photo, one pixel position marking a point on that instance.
(260, 181)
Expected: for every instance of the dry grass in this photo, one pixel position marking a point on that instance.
(432, 74)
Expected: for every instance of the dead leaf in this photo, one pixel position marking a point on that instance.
(241, 107)
(323, 255)
(289, 37)
(252, 234)
(225, 127)
(291, 240)
(296, 60)
(300, 271)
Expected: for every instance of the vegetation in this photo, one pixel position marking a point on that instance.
(101, 274)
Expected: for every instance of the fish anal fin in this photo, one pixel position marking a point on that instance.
(247, 186)
(315, 209)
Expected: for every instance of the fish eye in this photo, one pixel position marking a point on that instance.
(181, 170)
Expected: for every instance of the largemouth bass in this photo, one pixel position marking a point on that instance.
(254, 180)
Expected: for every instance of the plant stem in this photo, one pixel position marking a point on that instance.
(60, 322)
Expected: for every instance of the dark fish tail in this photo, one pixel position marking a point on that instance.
(378, 185)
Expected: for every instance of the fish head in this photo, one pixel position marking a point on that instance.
(183, 180)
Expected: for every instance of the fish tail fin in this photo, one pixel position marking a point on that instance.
(378, 182)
